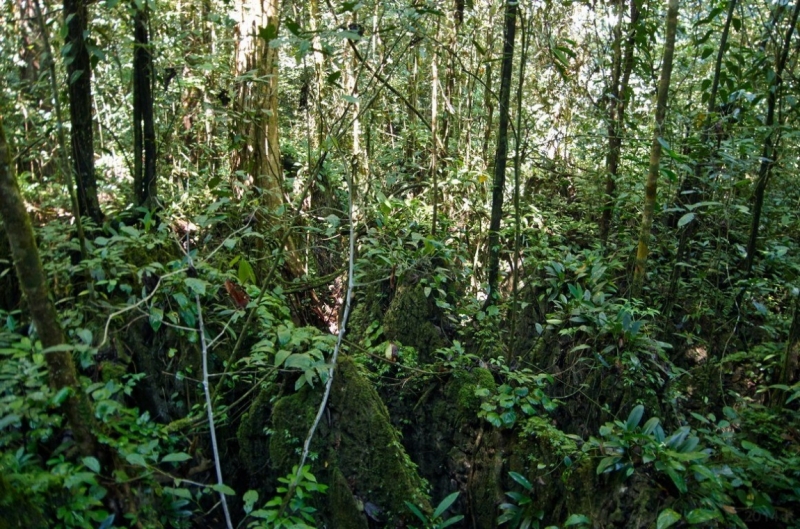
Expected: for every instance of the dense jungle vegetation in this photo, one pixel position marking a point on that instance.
(404, 264)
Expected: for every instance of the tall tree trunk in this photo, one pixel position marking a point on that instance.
(260, 157)
(60, 366)
(620, 75)
(651, 186)
(435, 137)
(144, 136)
(789, 369)
(502, 150)
(79, 83)
(767, 154)
(696, 180)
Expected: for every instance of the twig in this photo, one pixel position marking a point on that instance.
(209, 406)
(131, 307)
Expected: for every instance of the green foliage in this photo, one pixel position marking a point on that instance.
(521, 511)
(523, 392)
(436, 520)
(290, 509)
(62, 489)
(711, 485)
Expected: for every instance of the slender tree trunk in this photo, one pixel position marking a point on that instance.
(768, 153)
(620, 76)
(434, 138)
(789, 369)
(651, 186)
(502, 150)
(696, 180)
(79, 83)
(144, 137)
(60, 366)
(517, 177)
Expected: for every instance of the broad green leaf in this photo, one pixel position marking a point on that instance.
(686, 219)
(698, 516)
(445, 504)
(634, 417)
(156, 317)
(576, 519)
(250, 498)
(224, 489)
(245, 273)
(136, 459)
(413, 508)
(198, 286)
(176, 457)
(522, 480)
(92, 464)
(281, 357)
(606, 463)
(666, 518)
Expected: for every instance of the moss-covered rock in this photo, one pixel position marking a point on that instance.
(409, 321)
(367, 448)
(460, 390)
(344, 509)
(357, 450)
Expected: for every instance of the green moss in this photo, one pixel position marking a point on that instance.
(343, 507)
(408, 321)
(112, 371)
(251, 434)
(461, 388)
(291, 418)
(368, 449)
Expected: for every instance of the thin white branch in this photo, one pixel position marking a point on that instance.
(131, 307)
(342, 330)
(210, 411)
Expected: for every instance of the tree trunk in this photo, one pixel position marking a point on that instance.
(696, 180)
(789, 368)
(651, 186)
(502, 150)
(79, 83)
(144, 137)
(620, 76)
(257, 98)
(767, 155)
(60, 366)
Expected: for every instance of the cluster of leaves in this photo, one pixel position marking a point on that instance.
(37, 458)
(713, 484)
(521, 511)
(523, 392)
(290, 508)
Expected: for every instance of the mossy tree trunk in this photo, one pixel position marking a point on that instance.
(498, 186)
(144, 136)
(79, 83)
(60, 365)
(651, 186)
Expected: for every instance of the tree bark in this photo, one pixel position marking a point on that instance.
(651, 187)
(79, 83)
(502, 150)
(768, 153)
(60, 366)
(144, 136)
(620, 75)
(257, 98)
(789, 368)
